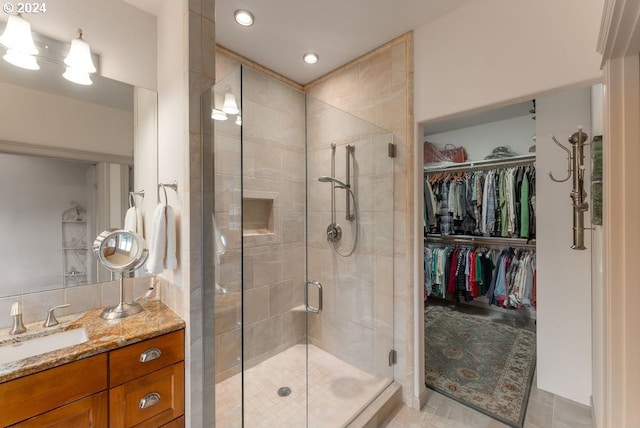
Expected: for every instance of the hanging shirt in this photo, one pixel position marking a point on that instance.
(524, 208)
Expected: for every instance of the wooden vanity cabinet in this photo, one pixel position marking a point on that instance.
(139, 385)
(57, 388)
(89, 412)
(146, 382)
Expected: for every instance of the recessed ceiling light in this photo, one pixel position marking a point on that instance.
(243, 17)
(310, 58)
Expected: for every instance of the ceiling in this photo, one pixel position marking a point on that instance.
(337, 30)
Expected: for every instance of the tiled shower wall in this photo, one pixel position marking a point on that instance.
(273, 170)
(356, 324)
(378, 88)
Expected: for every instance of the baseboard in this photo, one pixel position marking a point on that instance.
(419, 402)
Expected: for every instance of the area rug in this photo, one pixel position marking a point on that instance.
(480, 363)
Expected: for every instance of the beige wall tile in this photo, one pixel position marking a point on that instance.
(256, 304)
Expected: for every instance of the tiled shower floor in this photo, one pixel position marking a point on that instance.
(337, 392)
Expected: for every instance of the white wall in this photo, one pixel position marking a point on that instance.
(479, 141)
(173, 124)
(52, 120)
(146, 152)
(495, 51)
(39, 191)
(564, 275)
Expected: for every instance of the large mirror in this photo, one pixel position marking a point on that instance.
(66, 172)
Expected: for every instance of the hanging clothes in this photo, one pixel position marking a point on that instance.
(460, 273)
(494, 202)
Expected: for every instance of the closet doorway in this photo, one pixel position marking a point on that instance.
(507, 300)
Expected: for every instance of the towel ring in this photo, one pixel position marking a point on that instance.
(132, 198)
(164, 186)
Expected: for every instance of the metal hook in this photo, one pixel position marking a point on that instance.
(568, 161)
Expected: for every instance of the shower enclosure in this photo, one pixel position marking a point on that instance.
(302, 322)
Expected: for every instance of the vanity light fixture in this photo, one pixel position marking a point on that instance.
(230, 106)
(217, 114)
(239, 120)
(78, 61)
(18, 40)
(310, 58)
(243, 17)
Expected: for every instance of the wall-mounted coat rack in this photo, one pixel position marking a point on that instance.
(575, 169)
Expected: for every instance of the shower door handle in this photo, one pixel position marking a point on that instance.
(306, 297)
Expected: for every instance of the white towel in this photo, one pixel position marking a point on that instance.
(133, 221)
(162, 242)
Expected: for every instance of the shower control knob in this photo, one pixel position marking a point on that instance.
(334, 232)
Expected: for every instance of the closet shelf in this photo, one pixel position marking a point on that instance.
(481, 164)
(480, 240)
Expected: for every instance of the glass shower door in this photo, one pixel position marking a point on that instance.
(350, 229)
(280, 359)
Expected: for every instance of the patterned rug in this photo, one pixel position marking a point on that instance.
(480, 363)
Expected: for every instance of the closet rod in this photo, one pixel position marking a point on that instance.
(482, 164)
(481, 240)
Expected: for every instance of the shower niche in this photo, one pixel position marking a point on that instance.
(257, 216)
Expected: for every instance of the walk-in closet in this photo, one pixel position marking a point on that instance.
(508, 208)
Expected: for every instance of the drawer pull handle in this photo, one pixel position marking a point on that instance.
(149, 400)
(150, 355)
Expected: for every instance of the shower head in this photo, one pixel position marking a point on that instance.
(335, 181)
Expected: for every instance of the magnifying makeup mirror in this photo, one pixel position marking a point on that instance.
(120, 251)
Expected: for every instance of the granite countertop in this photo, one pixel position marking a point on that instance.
(104, 335)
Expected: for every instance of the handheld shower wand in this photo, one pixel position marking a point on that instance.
(337, 183)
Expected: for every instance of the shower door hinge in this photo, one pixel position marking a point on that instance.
(393, 357)
(392, 150)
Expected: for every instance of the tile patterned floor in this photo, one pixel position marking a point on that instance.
(545, 410)
(337, 392)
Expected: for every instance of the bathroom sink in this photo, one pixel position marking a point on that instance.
(30, 347)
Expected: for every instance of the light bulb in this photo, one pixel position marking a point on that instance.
(218, 114)
(28, 62)
(310, 58)
(79, 57)
(243, 17)
(17, 36)
(18, 40)
(230, 106)
(77, 76)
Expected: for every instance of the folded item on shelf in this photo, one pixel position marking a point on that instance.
(501, 152)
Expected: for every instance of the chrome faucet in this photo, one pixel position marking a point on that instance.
(16, 313)
(51, 317)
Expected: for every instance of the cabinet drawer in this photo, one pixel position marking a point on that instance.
(176, 423)
(90, 412)
(32, 395)
(145, 357)
(149, 401)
